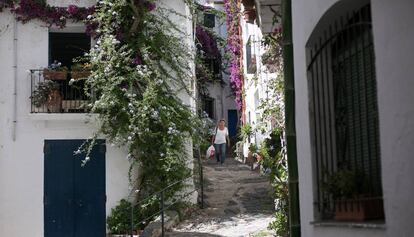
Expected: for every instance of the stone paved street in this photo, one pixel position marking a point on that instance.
(237, 203)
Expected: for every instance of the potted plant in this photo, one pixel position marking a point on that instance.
(245, 132)
(352, 202)
(249, 15)
(251, 155)
(55, 71)
(249, 10)
(248, 4)
(80, 71)
(47, 93)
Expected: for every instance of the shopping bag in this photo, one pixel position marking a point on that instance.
(210, 152)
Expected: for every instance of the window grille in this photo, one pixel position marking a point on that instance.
(343, 111)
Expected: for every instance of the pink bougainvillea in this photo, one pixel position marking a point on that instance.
(208, 43)
(234, 41)
(27, 10)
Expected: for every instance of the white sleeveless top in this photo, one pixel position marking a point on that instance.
(221, 136)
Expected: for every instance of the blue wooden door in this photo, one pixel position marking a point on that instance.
(74, 196)
(233, 119)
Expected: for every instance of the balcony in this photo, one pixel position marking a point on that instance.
(55, 92)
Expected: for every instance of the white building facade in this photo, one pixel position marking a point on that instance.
(355, 55)
(33, 141)
(220, 101)
(257, 76)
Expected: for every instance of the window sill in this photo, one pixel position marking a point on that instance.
(61, 116)
(363, 225)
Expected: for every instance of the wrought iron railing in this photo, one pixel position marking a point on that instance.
(197, 178)
(57, 92)
(344, 113)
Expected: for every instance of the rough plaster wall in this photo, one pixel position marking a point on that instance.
(393, 40)
(21, 162)
(64, 3)
(393, 37)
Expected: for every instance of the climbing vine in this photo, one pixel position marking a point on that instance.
(139, 65)
(273, 149)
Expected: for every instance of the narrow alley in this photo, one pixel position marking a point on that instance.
(237, 203)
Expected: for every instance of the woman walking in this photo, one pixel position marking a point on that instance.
(220, 140)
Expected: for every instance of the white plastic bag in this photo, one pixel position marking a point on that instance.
(210, 152)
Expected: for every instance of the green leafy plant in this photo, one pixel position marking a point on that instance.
(206, 130)
(274, 165)
(345, 183)
(245, 132)
(253, 148)
(42, 91)
(57, 66)
(81, 67)
(272, 58)
(119, 221)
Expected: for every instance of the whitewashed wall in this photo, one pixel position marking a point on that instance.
(255, 83)
(21, 161)
(393, 40)
(186, 25)
(393, 36)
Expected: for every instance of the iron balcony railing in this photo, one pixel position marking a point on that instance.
(58, 92)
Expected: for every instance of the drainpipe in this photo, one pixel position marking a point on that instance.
(14, 118)
(288, 73)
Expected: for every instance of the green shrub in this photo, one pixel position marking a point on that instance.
(119, 221)
(274, 164)
(245, 132)
(42, 91)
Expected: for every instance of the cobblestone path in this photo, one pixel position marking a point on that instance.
(237, 203)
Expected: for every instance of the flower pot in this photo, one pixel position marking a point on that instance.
(54, 75)
(359, 209)
(248, 4)
(80, 74)
(250, 160)
(249, 15)
(54, 102)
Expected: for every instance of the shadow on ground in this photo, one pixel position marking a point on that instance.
(192, 234)
(238, 202)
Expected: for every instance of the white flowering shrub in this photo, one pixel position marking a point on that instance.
(139, 64)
